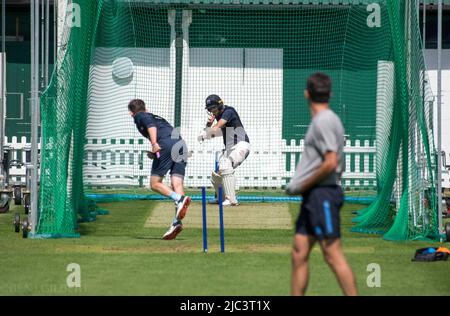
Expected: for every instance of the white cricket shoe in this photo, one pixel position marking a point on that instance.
(182, 207)
(227, 202)
(173, 231)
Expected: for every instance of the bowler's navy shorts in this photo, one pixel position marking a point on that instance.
(173, 157)
(319, 213)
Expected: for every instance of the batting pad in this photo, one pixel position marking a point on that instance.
(229, 183)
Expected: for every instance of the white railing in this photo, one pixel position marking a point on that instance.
(360, 173)
(109, 163)
(20, 153)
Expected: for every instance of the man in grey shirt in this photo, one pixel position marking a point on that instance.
(317, 179)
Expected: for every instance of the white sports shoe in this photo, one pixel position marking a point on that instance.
(173, 231)
(182, 207)
(227, 202)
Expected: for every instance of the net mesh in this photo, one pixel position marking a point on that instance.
(257, 59)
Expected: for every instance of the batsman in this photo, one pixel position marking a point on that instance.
(224, 120)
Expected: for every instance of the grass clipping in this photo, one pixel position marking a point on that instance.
(244, 216)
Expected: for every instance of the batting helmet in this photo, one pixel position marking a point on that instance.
(213, 101)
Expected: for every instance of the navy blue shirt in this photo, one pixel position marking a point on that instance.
(230, 115)
(145, 120)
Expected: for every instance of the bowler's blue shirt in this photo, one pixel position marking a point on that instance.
(230, 115)
(145, 120)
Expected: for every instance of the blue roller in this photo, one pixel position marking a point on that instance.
(242, 198)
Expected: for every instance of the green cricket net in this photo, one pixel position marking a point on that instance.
(256, 56)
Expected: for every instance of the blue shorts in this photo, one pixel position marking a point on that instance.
(173, 157)
(319, 213)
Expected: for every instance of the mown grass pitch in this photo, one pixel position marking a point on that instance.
(119, 255)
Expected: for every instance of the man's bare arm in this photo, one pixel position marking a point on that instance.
(153, 137)
(329, 164)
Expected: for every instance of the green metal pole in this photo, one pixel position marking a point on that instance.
(178, 66)
(439, 126)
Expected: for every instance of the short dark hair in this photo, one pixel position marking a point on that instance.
(319, 87)
(136, 105)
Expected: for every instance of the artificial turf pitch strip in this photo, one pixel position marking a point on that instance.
(122, 254)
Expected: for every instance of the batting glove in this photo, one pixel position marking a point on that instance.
(201, 138)
(210, 121)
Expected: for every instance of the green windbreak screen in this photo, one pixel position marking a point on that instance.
(334, 52)
(257, 58)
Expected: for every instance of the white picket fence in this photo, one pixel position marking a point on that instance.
(361, 173)
(20, 153)
(115, 163)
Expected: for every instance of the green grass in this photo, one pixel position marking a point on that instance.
(118, 256)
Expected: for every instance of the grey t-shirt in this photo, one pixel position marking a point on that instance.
(325, 133)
